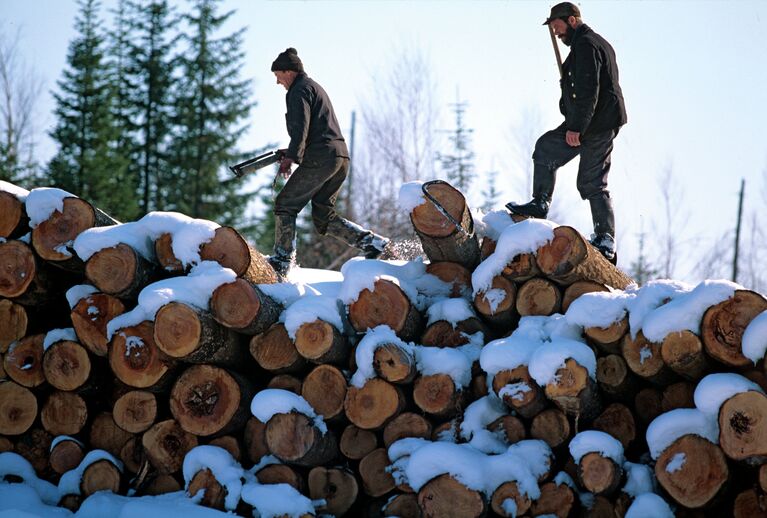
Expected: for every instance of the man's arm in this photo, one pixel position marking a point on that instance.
(588, 63)
(298, 119)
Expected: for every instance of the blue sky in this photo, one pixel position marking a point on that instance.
(692, 73)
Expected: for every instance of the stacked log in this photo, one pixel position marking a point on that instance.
(150, 392)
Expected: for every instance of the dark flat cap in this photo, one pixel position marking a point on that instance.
(563, 10)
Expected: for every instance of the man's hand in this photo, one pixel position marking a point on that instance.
(573, 138)
(285, 165)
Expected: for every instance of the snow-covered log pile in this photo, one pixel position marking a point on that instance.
(524, 376)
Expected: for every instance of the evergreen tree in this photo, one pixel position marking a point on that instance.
(642, 270)
(458, 164)
(210, 107)
(86, 163)
(490, 194)
(149, 73)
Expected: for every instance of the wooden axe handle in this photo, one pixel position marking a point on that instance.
(556, 50)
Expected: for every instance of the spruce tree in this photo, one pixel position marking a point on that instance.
(458, 163)
(490, 194)
(211, 105)
(87, 163)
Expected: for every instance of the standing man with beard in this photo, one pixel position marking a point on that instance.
(317, 145)
(592, 103)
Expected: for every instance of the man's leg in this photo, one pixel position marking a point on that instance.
(551, 153)
(327, 221)
(592, 184)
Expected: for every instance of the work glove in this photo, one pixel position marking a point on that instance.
(285, 165)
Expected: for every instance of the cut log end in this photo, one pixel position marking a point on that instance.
(387, 305)
(436, 394)
(23, 362)
(337, 487)
(18, 408)
(407, 424)
(66, 455)
(509, 491)
(51, 235)
(113, 270)
(213, 493)
(456, 275)
(355, 442)
(135, 411)
(177, 329)
(19, 268)
(321, 342)
(13, 323)
(538, 297)
(14, 220)
(275, 351)
(723, 325)
(394, 364)
(66, 365)
(102, 475)
(376, 480)
(324, 388)
(90, 317)
(374, 404)
(166, 444)
(445, 496)
(743, 427)
(294, 438)
(135, 358)
(599, 475)
(64, 413)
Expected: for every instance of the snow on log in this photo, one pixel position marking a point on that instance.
(497, 305)
(90, 316)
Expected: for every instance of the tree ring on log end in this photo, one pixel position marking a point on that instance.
(112, 270)
(18, 408)
(134, 357)
(18, 269)
(386, 305)
(61, 228)
(177, 329)
(484, 305)
(204, 399)
(66, 365)
(228, 249)
(12, 210)
(290, 436)
(235, 304)
(563, 253)
(428, 220)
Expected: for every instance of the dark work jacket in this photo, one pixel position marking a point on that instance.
(592, 100)
(312, 125)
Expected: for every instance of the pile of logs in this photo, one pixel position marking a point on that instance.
(159, 388)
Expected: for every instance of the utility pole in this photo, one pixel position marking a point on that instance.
(737, 231)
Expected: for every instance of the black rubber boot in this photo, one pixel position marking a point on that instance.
(370, 243)
(544, 179)
(602, 215)
(284, 256)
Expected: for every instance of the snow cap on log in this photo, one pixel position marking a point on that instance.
(754, 342)
(521, 238)
(44, 201)
(76, 293)
(640, 478)
(194, 289)
(58, 335)
(14, 464)
(450, 310)
(476, 417)
(685, 311)
(594, 441)
(224, 467)
(309, 309)
(276, 500)
(668, 427)
(287, 293)
(547, 360)
(493, 223)
(365, 352)
(270, 402)
(19, 192)
(410, 196)
(69, 484)
(649, 297)
(599, 309)
(713, 390)
(649, 504)
(507, 353)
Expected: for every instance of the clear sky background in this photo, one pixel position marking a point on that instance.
(693, 75)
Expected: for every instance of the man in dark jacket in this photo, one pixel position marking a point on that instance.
(592, 103)
(317, 145)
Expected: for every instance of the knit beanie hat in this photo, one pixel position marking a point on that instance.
(288, 60)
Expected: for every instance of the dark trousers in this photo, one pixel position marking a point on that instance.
(318, 181)
(552, 152)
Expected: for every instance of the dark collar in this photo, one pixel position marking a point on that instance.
(581, 30)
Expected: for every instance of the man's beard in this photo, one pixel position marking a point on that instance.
(567, 37)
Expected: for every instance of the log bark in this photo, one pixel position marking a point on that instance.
(394, 364)
(66, 455)
(281, 474)
(90, 317)
(509, 491)
(608, 339)
(538, 297)
(445, 497)
(568, 258)
(229, 249)
(525, 395)
(355, 442)
(556, 499)
(254, 439)
(552, 427)
(18, 408)
(320, 342)
(23, 277)
(13, 323)
(599, 475)
(14, 221)
(23, 362)
(448, 334)
(137, 361)
(67, 366)
(575, 392)
(437, 395)
(324, 388)
(374, 404)
(64, 413)
(336, 486)
(723, 325)
(105, 434)
(702, 476)
(510, 428)
(407, 424)
(497, 306)
(388, 305)
(52, 239)
(274, 351)
(683, 353)
(442, 240)
(376, 481)
(678, 395)
(454, 274)
(617, 420)
(135, 411)
(578, 288)
(166, 444)
(102, 475)
(743, 427)
(294, 438)
(120, 271)
(191, 335)
(213, 493)
(521, 268)
(644, 359)
(242, 306)
(208, 400)
(615, 379)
